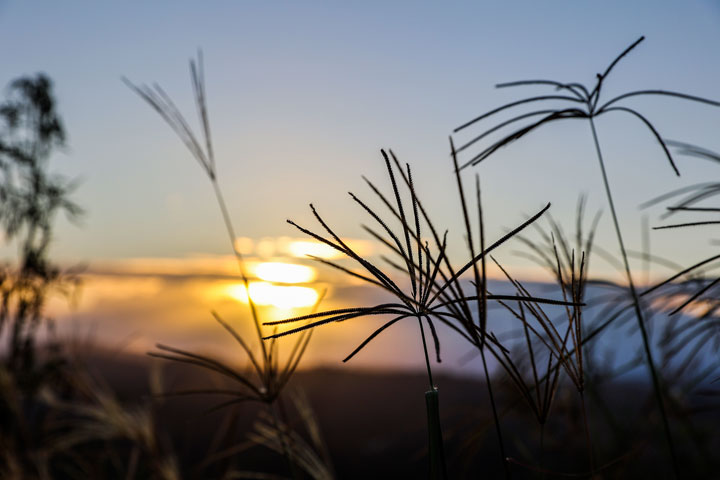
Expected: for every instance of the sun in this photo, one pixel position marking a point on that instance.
(282, 272)
(279, 296)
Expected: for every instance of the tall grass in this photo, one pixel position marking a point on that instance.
(545, 363)
(435, 294)
(583, 102)
(31, 198)
(270, 376)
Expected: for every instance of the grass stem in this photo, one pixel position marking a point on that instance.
(427, 358)
(636, 304)
(542, 450)
(241, 264)
(436, 451)
(588, 442)
(283, 442)
(496, 418)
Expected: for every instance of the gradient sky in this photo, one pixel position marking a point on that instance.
(303, 95)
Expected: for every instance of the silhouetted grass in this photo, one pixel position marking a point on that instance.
(436, 293)
(271, 376)
(548, 350)
(584, 103)
(691, 287)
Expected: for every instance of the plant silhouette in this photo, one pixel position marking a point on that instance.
(435, 294)
(267, 377)
(584, 103)
(31, 130)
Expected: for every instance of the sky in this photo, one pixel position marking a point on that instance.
(303, 95)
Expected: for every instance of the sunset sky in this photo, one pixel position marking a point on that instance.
(302, 97)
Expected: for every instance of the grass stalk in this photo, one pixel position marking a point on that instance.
(481, 292)
(271, 377)
(427, 357)
(435, 294)
(496, 418)
(241, 263)
(280, 427)
(588, 441)
(482, 304)
(436, 449)
(542, 449)
(636, 305)
(581, 102)
(132, 463)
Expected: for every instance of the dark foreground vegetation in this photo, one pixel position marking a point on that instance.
(368, 422)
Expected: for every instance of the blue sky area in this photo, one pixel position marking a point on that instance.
(303, 95)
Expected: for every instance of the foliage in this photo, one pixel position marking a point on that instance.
(30, 198)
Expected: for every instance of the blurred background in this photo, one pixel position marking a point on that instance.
(302, 97)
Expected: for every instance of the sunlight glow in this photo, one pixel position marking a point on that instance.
(284, 272)
(244, 245)
(264, 293)
(303, 248)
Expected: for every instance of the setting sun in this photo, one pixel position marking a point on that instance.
(280, 296)
(284, 272)
(303, 248)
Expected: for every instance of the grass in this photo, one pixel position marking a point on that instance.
(271, 376)
(584, 103)
(436, 293)
(547, 406)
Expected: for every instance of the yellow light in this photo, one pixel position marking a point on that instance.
(284, 272)
(280, 296)
(244, 245)
(303, 248)
(238, 292)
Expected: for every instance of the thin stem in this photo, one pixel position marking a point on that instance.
(283, 442)
(542, 449)
(436, 451)
(240, 261)
(636, 304)
(496, 418)
(132, 463)
(588, 443)
(482, 306)
(427, 358)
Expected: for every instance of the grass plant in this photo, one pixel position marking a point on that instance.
(688, 199)
(436, 292)
(584, 103)
(691, 291)
(100, 417)
(546, 371)
(564, 349)
(268, 377)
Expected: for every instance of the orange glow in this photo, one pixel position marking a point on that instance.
(303, 248)
(267, 294)
(284, 272)
(244, 245)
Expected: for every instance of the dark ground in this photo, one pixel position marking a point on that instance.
(374, 425)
